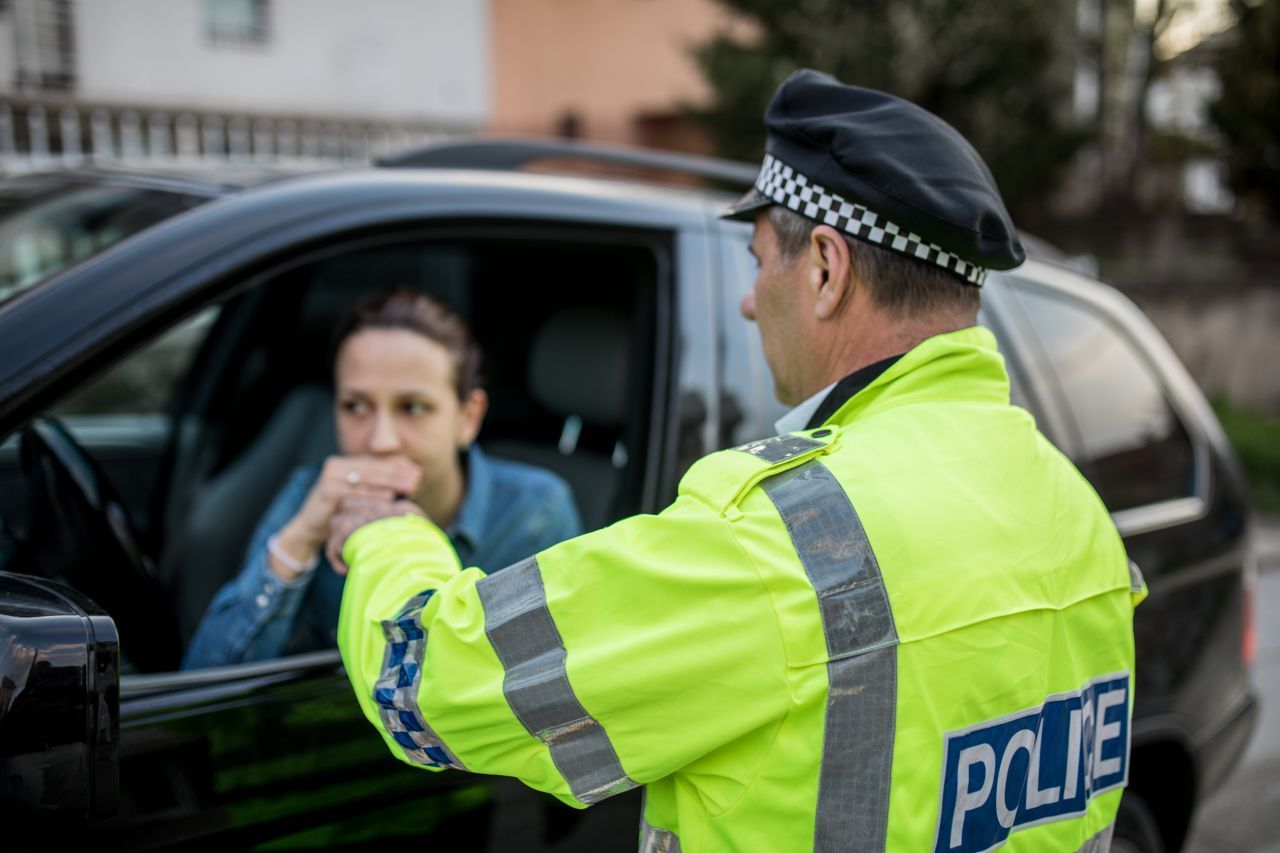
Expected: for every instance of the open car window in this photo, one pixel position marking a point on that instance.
(145, 382)
(121, 417)
(241, 395)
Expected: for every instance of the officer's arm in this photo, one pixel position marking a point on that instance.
(611, 660)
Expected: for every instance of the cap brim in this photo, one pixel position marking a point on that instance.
(745, 208)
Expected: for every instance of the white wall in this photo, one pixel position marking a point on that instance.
(406, 60)
(8, 54)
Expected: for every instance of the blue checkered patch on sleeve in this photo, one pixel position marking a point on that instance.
(396, 691)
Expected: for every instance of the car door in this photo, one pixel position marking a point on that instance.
(277, 751)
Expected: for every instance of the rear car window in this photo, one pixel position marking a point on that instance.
(1131, 443)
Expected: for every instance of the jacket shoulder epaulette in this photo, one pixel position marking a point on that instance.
(721, 480)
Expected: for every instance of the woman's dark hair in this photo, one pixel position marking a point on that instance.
(403, 308)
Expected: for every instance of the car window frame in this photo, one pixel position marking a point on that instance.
(1145, 518)
(235, 256)
(664, 244)
(143, 693)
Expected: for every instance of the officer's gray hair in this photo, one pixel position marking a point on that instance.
(904, 286)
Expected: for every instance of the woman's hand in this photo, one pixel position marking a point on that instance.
(355, 512)
(342, 477)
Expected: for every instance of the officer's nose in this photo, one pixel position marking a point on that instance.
(748, 305)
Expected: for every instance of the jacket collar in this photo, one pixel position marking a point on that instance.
(846, 388)
(959, 365)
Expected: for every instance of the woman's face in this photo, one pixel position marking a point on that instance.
(396, 397)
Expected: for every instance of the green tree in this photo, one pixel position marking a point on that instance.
(1247, 111)
(1000, 73)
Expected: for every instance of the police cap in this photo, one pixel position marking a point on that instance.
(885, 171)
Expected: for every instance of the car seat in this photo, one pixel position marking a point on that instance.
(578, 370)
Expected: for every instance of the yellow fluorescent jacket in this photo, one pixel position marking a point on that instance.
(908, 630)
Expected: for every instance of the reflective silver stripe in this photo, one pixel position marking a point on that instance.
(396, 691)
(780, 448)
(1100, 843)
(536, 684)
(862, 674)
(654, 840)
(1135, 577)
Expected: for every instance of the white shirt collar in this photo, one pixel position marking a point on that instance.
(798, 418)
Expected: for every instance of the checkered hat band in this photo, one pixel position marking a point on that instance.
(794, 191)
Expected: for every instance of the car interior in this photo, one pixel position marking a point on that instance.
(573, 365)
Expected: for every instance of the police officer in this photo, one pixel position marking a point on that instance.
(905, 623)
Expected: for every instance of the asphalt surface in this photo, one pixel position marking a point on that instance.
(1244, 816)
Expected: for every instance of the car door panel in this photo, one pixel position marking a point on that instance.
(269, 752)
(245, 755)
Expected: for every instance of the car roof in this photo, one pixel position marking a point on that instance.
(616, 173)
(218, 179)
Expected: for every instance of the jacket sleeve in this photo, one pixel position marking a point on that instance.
(607, 661)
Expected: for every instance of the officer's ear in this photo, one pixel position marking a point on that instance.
(829, 267)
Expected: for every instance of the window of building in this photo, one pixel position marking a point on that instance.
(43, 45)
(1133, 447)
(236, 22)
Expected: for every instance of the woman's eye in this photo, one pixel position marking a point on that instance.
(354, 407)
(416, 408)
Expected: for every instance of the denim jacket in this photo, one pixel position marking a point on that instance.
(509, 512)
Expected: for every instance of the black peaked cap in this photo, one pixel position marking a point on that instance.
(908, 168)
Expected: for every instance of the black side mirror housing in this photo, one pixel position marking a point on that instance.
(59, 706)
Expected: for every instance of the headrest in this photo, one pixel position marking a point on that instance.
(578, 365)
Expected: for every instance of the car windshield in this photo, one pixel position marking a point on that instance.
(47, 225)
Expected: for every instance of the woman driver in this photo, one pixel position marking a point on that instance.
(408, 407)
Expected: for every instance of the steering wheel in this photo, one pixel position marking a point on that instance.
(81, 534)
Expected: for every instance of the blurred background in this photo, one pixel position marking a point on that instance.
(1140, 136)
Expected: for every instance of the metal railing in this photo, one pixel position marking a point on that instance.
(47, 132)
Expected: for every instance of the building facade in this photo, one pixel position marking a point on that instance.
(275, 79)
(608, 70)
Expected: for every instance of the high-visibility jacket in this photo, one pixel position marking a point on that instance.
(910, 629)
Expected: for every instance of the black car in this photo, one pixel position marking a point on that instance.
(164, 365)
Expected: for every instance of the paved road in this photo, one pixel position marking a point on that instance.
(1244, 817)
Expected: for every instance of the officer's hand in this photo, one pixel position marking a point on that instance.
(354, 512)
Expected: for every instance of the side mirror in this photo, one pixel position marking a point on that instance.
(59, 705)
